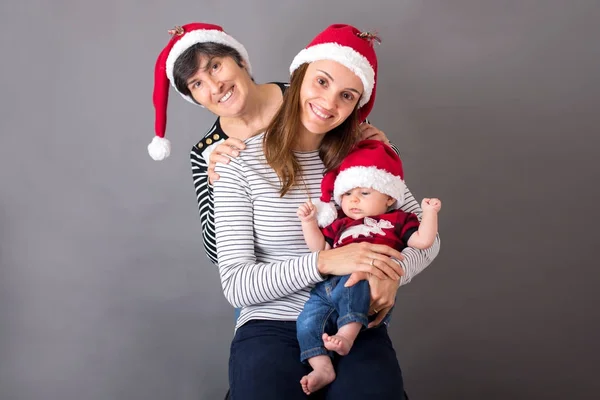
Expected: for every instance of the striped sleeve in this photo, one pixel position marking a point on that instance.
(205, 199)
(245, 280)
(415, 260)
(396, 149)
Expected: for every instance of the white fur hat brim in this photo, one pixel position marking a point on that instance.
(203, 36)
(344, 55)
(369, 177)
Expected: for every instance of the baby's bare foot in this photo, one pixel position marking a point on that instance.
(337, 343)
(317, 379)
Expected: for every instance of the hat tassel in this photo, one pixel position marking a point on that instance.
(159, 148)
(326, 213)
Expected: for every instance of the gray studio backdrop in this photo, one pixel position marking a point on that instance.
(105, 292)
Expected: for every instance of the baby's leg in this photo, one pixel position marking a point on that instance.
(322, 374)
(343, 340)
(317, 314)
(352, 305)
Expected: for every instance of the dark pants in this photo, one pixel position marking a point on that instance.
(264, 365)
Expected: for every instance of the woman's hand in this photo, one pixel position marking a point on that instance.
(383, 294)
(222, 153)
(383, 298)
(365, 257)
(368, 131)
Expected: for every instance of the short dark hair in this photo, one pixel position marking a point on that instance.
(188, 63)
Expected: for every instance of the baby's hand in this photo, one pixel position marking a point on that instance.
(307, 212)
(432, 204)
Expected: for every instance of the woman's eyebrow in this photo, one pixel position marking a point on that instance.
(333, 80)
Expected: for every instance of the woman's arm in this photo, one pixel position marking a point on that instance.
(203, 174)
(205, 198)
(245, 280)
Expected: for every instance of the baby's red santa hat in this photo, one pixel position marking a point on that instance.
(182, 38)
(353, 49)
(370, 164)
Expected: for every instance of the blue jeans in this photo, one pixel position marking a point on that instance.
(331, 306)
(263, 365)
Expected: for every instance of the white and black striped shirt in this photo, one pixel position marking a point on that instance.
(265, 266)
(204, 191)
(199, 158)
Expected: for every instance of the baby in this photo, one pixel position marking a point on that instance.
(369, 187)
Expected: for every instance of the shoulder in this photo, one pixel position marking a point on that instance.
(335, 227)
(252, 157)
(395, 148)
(210, 139)
(401, 215)
(342, 222)
(282, 85)
(254, 147)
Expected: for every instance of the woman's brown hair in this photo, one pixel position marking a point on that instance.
(281, 134)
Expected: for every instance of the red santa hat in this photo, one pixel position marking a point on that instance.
(371, 164)
(182, 38)
(353, 49)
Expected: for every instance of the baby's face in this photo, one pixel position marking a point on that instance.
(365, 202)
